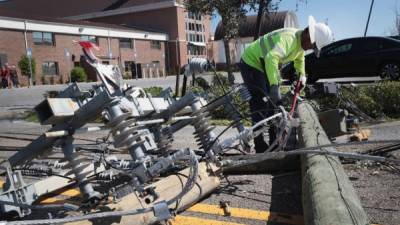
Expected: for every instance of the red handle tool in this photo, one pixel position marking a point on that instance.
(297, 90)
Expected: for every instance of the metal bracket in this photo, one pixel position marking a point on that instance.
(161, 211)
(18, 192)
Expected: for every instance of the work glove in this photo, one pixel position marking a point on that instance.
(275, 95)
(303, 82)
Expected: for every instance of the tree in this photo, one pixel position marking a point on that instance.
(262, 6)
(396, 28)
(23, 65)
(232, 12)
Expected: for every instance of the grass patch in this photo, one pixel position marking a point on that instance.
(32, 117)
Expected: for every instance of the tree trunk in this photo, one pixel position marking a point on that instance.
(231, 78)
(259, 17)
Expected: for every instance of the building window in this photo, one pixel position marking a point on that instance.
(192, 37)
(155, 44)
(43, 38)
(89, 38)
(195, 50)
(198, 27)
(191, 15)
(50, 68)
(125, 43)
(191, 26)
(194, 16)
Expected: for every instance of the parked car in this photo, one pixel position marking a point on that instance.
(354, 57)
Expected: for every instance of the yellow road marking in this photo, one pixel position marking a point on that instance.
(71, 192)
(188, 220)
(60, 198)
(250, 214)
(52, 201)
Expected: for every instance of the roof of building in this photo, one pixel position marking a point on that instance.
(24, 16)
(270, 22)
(131, 3)
(57, 8)
(18, 16)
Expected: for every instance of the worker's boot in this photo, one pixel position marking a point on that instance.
(259, 144)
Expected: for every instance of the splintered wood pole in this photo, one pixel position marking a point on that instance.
(167, 188)
(328, 196)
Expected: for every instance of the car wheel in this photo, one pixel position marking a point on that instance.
(390, 71)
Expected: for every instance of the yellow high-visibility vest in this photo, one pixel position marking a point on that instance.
(277, 47)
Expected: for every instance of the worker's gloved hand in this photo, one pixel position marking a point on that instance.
(303, 82)
(275, 95)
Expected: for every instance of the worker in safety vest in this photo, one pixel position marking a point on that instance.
(260, 64)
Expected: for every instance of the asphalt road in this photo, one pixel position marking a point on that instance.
(29, 97)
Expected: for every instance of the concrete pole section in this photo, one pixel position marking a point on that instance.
(328, 196)
(167, 188)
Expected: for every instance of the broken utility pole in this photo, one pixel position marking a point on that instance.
(328, 196)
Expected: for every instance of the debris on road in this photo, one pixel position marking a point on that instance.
(360, 135)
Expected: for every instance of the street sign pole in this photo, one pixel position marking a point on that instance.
(29, 54)
(135, 57)
(67, 55)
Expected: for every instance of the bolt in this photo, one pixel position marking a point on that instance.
(225, 206)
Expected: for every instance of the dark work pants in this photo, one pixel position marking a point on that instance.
(258, 85)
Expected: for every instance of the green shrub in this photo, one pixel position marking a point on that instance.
(376, 101)
(78, 74)
(387, 95)
(154, 91)
(219, 79)
(126, 76)
(202, 83)
(197, 90)
(362, 98)
(221, 86)
(23, 65)
(32, 117)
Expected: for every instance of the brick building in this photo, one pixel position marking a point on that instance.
(51, 43)
(188, 33)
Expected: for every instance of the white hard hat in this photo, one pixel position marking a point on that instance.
(320, 34)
